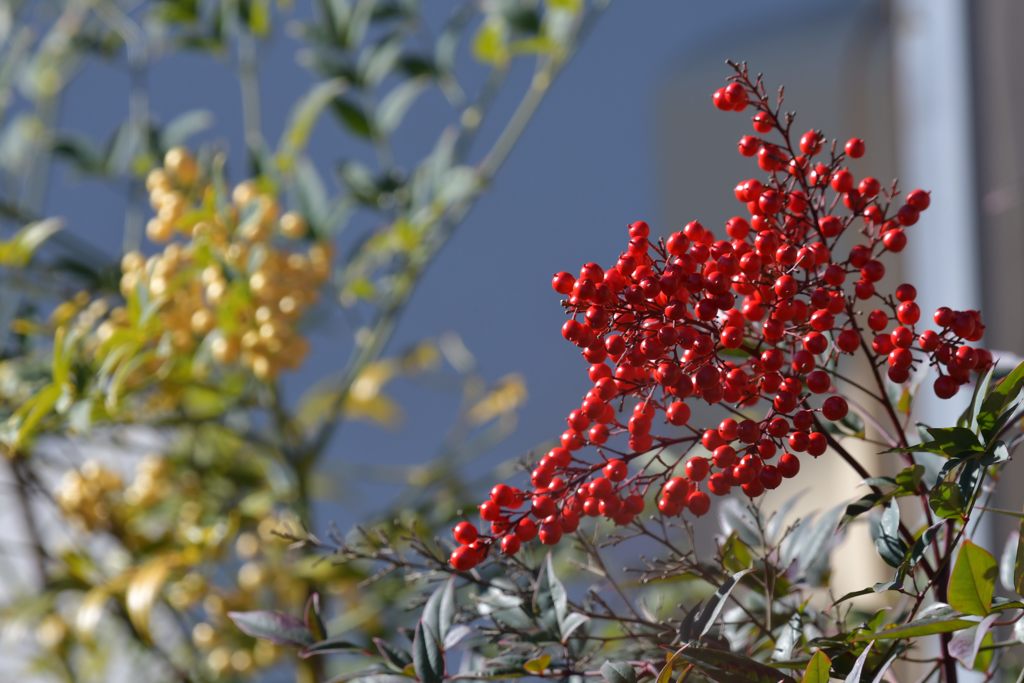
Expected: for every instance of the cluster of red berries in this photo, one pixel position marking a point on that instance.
(755, 323)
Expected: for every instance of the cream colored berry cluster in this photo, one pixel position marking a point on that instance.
(232, 281)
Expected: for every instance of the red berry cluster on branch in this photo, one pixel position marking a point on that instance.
(755, 324)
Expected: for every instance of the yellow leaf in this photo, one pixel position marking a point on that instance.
(538, 665)
(489, 44)
(665, 675)
(17, 251)
(90, 611)
(505, 397)
(143, 590)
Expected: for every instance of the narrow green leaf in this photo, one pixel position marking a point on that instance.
(277, 627)
(885, 532)
(329, 646)
(1001, 397)
(618, 672)
(395, 104)
(304, 116)
(427, 657)
(354, 117)
(817, 669)
(714, 607)
(17, 251)
(973, 580)
(1018, 567)
(921, 627)
(314, 622)
(723, 666)
(858, 666)
(439, 610)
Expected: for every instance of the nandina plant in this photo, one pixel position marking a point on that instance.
(755, 322)
(717, 361)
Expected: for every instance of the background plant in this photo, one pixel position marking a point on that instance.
(180, 352)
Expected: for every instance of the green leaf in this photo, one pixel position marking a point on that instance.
(354, 117)
(277, 627)
(1001, 402)
(736, 554)
(427, 656)
(439, 610)
(393, 657)
(945, 500)
(921, 545)
(858, 666)
(965, 644)
(618, 672)
(329, 646)
(1018, 567)
(886, 534)
(723, 666)
(940, 622)
(313, 621)
(179, 129)
(395, 104)
(949, 441)
(304, 117)
(817, 669)
(17, 251)
(706, 619)
(973, 580)
(909, 479)
(550, 599)
(969, 418)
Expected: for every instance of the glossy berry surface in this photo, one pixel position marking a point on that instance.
(750, 321)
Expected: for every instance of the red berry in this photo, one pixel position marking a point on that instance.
(842, 180)
(919, 200)
(946, 387)
(616, 470)
(762, 122)
(908, 313)
(819, 382)
(736, 96)
(895, 240)
(906, 292)
(510, 545)
(697, 467)
(563, 283)
(465, 533)
(907, 215)
(878, 320)
(810, 142)
(748, 145)
(848, 341)
(463, 558)
(550, 534)
(489, 511)
(526, 529)
(789, 465)
(678, 413)
(834, 408)
(719, 484)
(698, 502)
(854, 148)
(504, 495)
